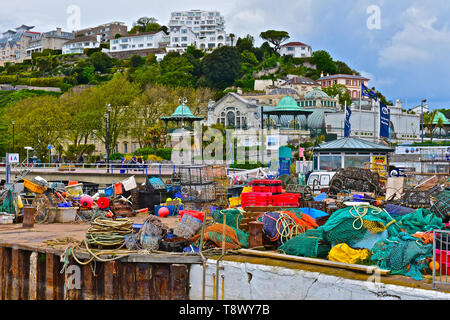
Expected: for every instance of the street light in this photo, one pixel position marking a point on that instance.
(108, 118)
(183, 102)
(13, 123)
(28, 149)
(421, 117)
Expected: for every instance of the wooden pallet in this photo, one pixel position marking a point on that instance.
(252, 212)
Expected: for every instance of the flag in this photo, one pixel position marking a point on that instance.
(347, 125)
(385, 117)
(367, 92)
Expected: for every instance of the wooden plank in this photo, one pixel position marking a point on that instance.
(8, 273)
(143, 275)
(15, 269)
(33, 285)
(161, 282)
(179, 282)
(41, 272)
(24, 273)
(127, 281)
(108, 277)
(51, 280)
(88, 283)
(2, 273)
(322, 262)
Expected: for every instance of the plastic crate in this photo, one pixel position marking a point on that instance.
(286, 199)
(258, 199)
(444, 265)
(234, 202)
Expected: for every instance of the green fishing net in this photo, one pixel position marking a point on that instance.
(350, 224)
(420, 220)
(402, 254)
(311, 244)
(233, 217)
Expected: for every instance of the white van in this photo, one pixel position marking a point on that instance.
(319, 180)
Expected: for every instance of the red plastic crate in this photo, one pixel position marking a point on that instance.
(286, 199)
(444, 265)
(257, 199)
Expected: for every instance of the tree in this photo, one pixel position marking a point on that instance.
(145, 75)
(137, 61)
(324, 62)
(155, 136)
(343, 68)
(39, 121)
(341, 91)
(232, 36)
(100, 61)
(275, 37)
(222, 67)
(146, 24)
(176, 71)
(246, 43)
(428, 122)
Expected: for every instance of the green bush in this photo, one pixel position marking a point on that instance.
(8, 79)
(164, 153)
(116, 156)
(89, 51)
(42, 82)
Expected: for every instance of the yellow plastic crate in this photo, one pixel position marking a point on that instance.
(247, 189)
(234, 202)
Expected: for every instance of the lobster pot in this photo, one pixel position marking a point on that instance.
(198, 193)
(187, 227)
(189, 175)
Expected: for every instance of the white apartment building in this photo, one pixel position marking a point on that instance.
(296, 49)
(140, 41)
(204, 29)
(77, 45)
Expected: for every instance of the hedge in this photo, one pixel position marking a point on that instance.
(165, 153)
(41, 82)
(8, 79)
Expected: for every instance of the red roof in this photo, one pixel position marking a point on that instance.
(298, 44)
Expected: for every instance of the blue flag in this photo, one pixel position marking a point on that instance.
(367, 92)
(347, 125)
(385, 118)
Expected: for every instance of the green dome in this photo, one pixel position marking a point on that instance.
(182, 111)
(316, 120)
(288, 103)
(316, 94)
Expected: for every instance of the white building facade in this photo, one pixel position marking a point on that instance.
(365, 123)
(140, 41)
(77, 45)
(207, 30)
(296, 49)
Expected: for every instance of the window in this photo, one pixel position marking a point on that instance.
(357, 161)
(183, 30)
(347, 82)
(330, 162)
(324, 179)
(175, 39)
(290, 48)
(312, 178)
(141, 45)
(183, 38)
(149, 44)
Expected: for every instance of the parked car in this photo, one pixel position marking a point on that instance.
(320, 180)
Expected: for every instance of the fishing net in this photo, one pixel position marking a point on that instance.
(350, 224)
(234, 238)
(402, 254)
(419, 221)
(8, 203)
(344, 253)
(233, 217)
(311, 243)
(278, 227)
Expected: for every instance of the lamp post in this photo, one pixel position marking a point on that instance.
(13, 123)
(183, 102)
(421, 117)
(108, 118)
(28, 149)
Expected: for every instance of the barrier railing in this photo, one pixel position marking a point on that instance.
(441, 259)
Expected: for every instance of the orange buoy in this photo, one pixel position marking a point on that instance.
(436, 264)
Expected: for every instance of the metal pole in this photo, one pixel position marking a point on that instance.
(107, 137)
(13, 123)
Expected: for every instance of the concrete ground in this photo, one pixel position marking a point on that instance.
(35, 237)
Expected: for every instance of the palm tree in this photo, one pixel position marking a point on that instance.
(232, 36)
(428, 119)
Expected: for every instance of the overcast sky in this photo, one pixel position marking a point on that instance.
(405, 53)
